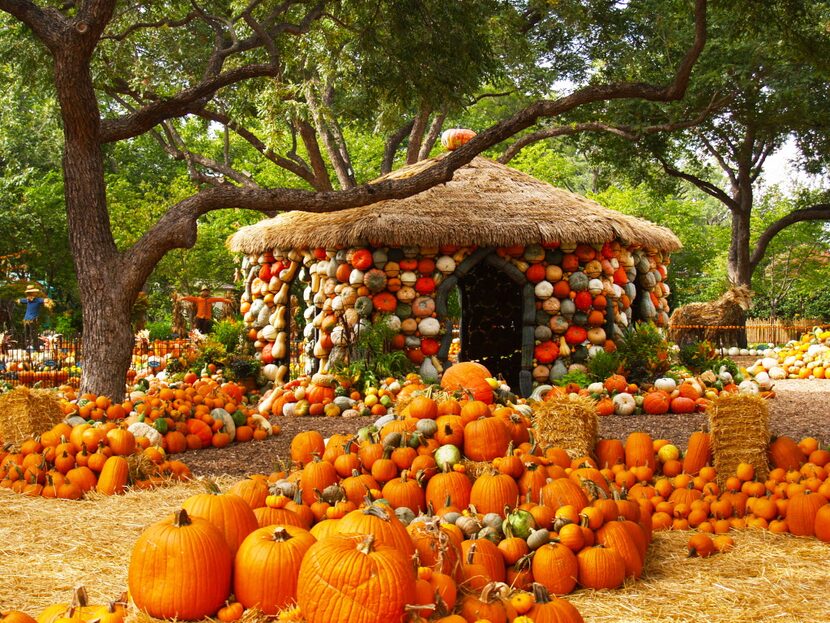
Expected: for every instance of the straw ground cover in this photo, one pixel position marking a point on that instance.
(47, 547)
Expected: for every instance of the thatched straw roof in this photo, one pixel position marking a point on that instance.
(485, 204)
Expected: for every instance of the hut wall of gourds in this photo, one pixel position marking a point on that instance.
(584, 272)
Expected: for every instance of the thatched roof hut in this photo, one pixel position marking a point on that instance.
(545, 278)
(485, 204)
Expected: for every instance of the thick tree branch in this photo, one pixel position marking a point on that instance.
(392, 143)
(312, 147)
(185, 102)
(416, 135)
(324, 131)
(432, 136)
(817, 212)
(177, 227)
(46, 23)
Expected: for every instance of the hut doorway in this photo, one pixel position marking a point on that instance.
(491, 321)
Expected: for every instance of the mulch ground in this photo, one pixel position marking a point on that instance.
(800, 409)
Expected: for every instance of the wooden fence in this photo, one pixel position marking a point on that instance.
(777, 331)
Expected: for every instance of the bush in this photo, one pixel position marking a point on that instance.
(229, 334)
(603, 365)
(159, 330)
(644, 353)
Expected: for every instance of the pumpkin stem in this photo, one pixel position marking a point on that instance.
(366, 545)
(541, 594)
(281, 534)
(180, 518)
(211, 486)
(79, 598)
(471, 553)
(375, 511)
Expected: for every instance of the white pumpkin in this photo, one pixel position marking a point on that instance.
(624, 404)
(429, 327)
(543, 290)
(227, 421)
(666, 384)
(445, 264)
(140, 429)
(748, 387)
(269, 371)
(269, 333)
(408, 278)
(777, 373)
(596, 388)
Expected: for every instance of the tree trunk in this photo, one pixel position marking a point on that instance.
(106, 298)
(739, 268)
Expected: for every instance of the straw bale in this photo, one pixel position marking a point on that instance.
(485, 204)
(26, 413)
(739, 425)
(568, 422)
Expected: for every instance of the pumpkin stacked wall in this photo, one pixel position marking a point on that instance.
(577, 299)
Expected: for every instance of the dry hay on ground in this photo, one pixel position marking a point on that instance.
(26, 413)
(767, 578)
(696, 322)
(47, 547)
(568, 422)
(739, 424)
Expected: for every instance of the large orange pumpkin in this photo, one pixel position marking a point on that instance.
(180, 568)
(469, 376)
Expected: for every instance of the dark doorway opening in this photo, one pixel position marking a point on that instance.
(491, 322)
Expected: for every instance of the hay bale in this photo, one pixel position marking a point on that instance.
(739, 425)
(568, 422)
(26, 413)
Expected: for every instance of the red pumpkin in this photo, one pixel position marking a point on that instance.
(681, 404)
(575, 335)
(546, 352)
(362, 259)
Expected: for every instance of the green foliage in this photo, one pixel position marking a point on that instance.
(229, 334)
(644, 353)
(159, 329)
(697, 356)
(210, 350)
(65, 324)
(239, 369)
(369, 356)
(604, 364)
(578, 378)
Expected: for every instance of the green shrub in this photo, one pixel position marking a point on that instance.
(644, 353)
(229, 334)
(603, 364)
(159, 329)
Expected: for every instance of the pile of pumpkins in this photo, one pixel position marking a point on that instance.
(616, 396)
(805, 358)
(67, 461)
(327, 395)
(196, 413)
(572, 287)
(490, 518)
